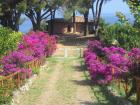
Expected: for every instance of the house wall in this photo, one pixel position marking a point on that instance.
(58, 28)
(62, 27)
(79, 28)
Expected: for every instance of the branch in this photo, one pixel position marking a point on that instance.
(46, 17)
(97, 4)
(45, 13)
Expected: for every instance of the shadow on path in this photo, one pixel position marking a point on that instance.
(88, 103)
(82, 82)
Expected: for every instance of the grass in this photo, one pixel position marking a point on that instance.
(101, 93)
(65, 87)
(38, 86)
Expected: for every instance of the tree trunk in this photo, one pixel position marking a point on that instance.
(74, 23)
(11, 19)
(52, 21)
(86, 28)
(10, 15)
(98, 20)
(17, 19)
(33, 23)
(38, 21)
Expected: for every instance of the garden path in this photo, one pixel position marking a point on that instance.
(62, 83)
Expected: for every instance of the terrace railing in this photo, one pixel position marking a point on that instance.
(17, 79)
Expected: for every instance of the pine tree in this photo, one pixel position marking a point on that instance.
(10, 12)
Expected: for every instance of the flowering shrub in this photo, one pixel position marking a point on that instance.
(119, 61)
(115, 62)
(39, 43)
(95, 46)
(34, 45)
(134, 56)
(114, 50)
(15, 62)
(134, 53)
(117, 56)
(99, 72)
(88, 56)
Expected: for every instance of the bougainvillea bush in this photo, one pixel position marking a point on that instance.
(15, 62)
(134, 55)
(115, 62)
(34, 45)
(100, 72)
(118, 57)
(95, 46)
(38, 43)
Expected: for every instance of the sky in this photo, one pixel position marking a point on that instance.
(115, 5)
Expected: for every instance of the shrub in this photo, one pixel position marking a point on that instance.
(9, 40)
(123, 33)
(5, 96)
(34, 45)
(36, 70)
(100, 72)
(116, 61)
(39, 43)
(15, 62)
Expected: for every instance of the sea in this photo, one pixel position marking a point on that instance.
(109, 18)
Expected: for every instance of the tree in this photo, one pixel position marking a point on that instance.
(33, 11)
(38, 10)
(10, 12)
(96, 7)
(54, 5)
(85, 6)
(70, 7)
(81, 6)
(134, 6)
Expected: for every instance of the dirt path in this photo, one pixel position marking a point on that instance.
(63, 83)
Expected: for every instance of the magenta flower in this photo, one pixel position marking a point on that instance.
(33, 45)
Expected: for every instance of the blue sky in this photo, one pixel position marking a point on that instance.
(113, 6)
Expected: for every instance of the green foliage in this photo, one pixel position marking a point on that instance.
(8, 40)
(43, 26)
(134, 6)
(5, 96)
(123, 33)
(122, 18)
(36, 70)
(22, 6)
(10, 12)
